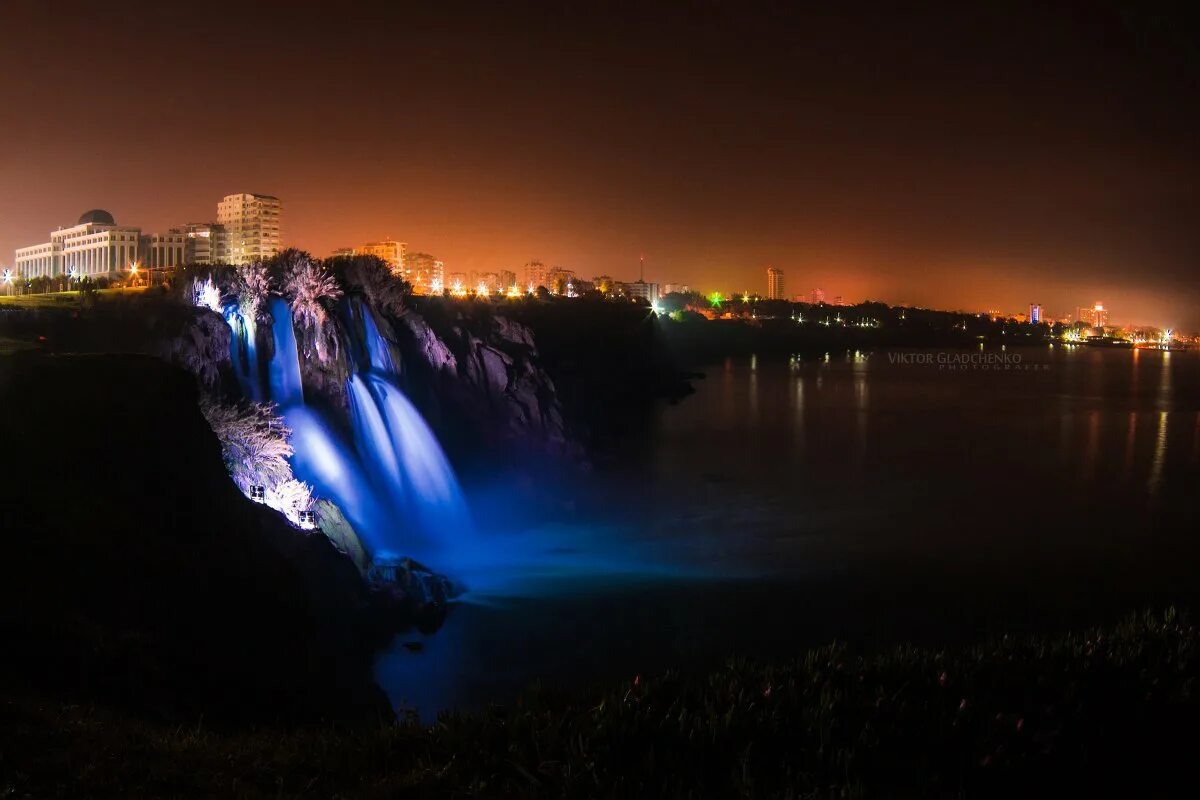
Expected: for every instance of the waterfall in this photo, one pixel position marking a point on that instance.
(378, 351)
(390, 477)
(243, 352)
(283, 370)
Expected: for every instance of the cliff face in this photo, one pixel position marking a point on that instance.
(475, 375)
(479, 374)
(133, 569)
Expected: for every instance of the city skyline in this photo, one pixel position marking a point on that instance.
(710, 142)
(396, 258)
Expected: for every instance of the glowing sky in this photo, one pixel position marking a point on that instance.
(961, 159)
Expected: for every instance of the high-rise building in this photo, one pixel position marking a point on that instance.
(95, 246)
(252, 224)
(818, 296)
(536, 275)
(508, 279)
(390, 251)
(775, 284)
(1094, 315)
(1035, 313)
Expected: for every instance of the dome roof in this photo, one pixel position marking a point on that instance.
(98, 216)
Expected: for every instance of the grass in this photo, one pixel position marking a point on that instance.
(1103, 709)
(69, 299)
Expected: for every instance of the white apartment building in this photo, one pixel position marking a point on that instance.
(96, 246)
(251, 223)
(389, 250)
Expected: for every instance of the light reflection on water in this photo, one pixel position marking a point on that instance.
(784, 505)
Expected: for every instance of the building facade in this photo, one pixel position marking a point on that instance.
(641, 290)
(204, 243)
(775, 284)
(252, 224)
(391, 251)
(96, 246)
(426, 274)
(1035, 313)
(536, 275)
(163, 250)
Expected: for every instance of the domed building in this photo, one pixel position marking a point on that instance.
(97, 247)
(97, 216)
(94, 247)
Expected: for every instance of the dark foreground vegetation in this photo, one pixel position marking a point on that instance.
(1107, 710)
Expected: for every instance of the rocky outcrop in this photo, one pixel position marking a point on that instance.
(201, 347)
(483, 373)
(134, 570)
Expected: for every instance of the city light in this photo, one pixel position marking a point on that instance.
(457, 289)
(715, 299)
(8, 276)
(514, 291)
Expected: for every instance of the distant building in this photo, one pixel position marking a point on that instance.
(425, 273)
(604, 283)
(557, 279)
(163, 250)
(204, 243)
(507, 279)
(1035, 313)
(536, 275)
(775, 284)
(818, 297)
(342, 252)
(485, 282)
(95, 246)
(1095, 316)
(390, 251)
(252, 222)
(676, 288)
(641, 290)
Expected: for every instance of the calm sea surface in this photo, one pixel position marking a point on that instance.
(871, 498)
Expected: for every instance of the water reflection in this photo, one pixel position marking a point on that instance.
(902, 499)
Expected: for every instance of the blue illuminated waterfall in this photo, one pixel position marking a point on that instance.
(385, 470)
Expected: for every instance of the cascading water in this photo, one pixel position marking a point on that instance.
(379, 354)
(283, 370)
(243, 352)
(391, 480)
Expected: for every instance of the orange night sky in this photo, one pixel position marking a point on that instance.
(988, 160)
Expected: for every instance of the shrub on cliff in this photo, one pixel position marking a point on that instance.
(309, 287)
(255, 449)
(373, 278)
